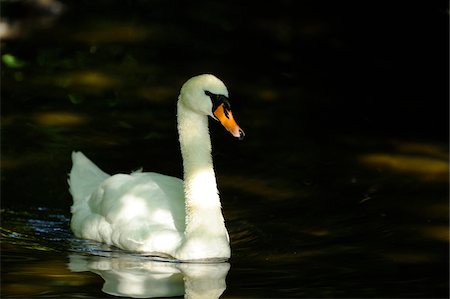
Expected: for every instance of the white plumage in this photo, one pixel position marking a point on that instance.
(154, 213)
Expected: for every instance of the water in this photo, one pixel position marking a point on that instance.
(340, 188)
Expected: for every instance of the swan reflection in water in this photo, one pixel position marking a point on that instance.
(139, 277)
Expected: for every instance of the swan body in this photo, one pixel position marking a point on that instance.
(155, 213)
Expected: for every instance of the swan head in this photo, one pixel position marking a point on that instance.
(207, 95)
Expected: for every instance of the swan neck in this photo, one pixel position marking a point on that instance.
(205, 234)
(200, 186)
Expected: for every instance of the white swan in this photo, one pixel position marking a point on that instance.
(154, 213)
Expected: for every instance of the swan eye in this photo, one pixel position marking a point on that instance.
(217, 100)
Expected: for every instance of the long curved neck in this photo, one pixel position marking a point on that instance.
(201, 195)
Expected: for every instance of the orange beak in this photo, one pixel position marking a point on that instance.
(226, 119)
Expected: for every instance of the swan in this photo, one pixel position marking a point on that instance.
(157, 214)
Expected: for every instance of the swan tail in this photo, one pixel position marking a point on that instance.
(84, 178)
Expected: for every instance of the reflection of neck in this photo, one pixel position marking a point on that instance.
(203, 210)
(204, 280)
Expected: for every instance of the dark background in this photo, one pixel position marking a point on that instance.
(340, 188)
(320, 71)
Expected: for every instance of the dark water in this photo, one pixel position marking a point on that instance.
(339, 190)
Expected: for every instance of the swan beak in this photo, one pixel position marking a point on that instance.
(225, 117)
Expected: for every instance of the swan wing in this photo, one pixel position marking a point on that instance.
(138, 212)
(84, 177)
